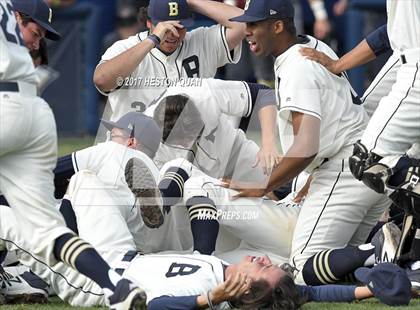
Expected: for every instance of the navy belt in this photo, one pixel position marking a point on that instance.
(128, 257)
(9, 86)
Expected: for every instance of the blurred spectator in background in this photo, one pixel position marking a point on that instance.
(130, 20)
(60, 3)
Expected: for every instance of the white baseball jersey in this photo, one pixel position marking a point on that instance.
(15, 61)
(176, 275)
(217, 101)
(307, 87)
(200, 54)
(403, 24)
(108, 160)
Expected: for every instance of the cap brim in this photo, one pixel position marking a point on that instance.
(362, 274)
(50, 33)
(247, 19)
(189, 22)
(109, 125)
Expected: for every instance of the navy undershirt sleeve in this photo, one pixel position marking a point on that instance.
(328, 293)
(379, 40)
(173, 303)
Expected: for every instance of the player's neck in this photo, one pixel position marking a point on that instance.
(284, 44)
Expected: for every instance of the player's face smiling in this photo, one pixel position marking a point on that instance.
(32, 33)
(171, 42)
(259, 37)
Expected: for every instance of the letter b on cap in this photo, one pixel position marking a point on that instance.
(173, 8)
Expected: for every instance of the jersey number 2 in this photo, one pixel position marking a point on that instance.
(7, 18)
(181, 270)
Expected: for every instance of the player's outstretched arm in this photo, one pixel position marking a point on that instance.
(358, 56)
(108, 73)
(268, 156)
(306, 130)
(374, 45)
(221, 13)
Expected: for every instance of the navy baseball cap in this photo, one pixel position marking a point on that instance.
(259, 10)
(139, 126)
(41, 14)
(388, 282)
(163, 10)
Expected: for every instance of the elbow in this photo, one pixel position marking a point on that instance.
(101, 81)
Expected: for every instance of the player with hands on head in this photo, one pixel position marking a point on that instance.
(168, 52)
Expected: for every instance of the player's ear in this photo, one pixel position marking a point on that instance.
(149, 24)
(278, 26)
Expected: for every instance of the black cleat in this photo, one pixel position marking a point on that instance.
(127, 296)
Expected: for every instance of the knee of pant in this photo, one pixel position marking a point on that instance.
(179, 163)
(194, 187)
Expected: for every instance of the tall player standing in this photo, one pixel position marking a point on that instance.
(138, 69)
(28, 146)
(318, 123)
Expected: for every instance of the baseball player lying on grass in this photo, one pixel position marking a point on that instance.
(394, 97)
(263, 225)
(176, 281)
(141, 67)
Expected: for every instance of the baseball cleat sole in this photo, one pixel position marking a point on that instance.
(142, 184)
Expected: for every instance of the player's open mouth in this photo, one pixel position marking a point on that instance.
(173, 41)
(252, 46)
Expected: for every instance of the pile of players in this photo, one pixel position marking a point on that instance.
(178, 174)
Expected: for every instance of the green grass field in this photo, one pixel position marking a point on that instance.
(67, 145)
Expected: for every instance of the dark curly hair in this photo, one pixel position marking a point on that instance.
(284, 296)
(178, 117)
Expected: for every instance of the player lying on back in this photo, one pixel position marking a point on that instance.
(175, 281)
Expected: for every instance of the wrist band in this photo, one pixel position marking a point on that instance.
(209, 301)
(319, 11)
(154, 38)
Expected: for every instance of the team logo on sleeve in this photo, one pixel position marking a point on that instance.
(173, 8)
(247, 4)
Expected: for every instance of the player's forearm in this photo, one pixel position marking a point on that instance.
(288, 168)
(108, 73)
(358, 56)
(221, 13)
(268, 121)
